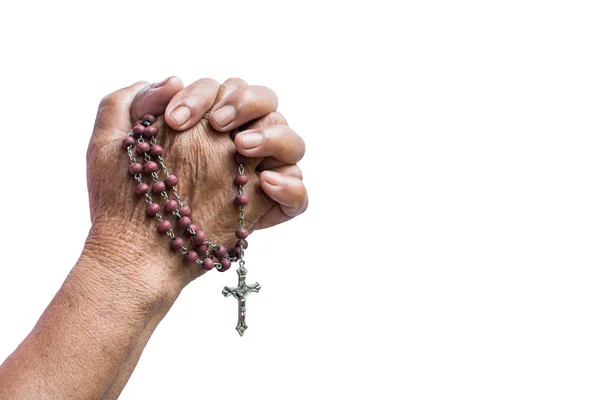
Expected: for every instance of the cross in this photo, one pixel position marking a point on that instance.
(240, 293)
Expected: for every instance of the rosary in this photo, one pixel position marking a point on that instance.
(207, 254)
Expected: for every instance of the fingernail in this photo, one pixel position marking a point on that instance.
(251, 140)
(161, 83)
(181, 115)
(224, 115)
(273, 178)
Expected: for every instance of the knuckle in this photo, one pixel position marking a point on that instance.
(275, 118)
(235, 82)
(297, 194)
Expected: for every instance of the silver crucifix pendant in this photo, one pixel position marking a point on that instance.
(240, 293)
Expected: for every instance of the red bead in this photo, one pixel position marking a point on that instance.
(221, 251)
(208, 264)
(135, 168)
(156, 150)
(158, 187)
(152, 209)
(171, 181)
(191, 257)
(199, 238)
(184, 222)
(138, 131)
(192, 227)
(236, 252)
(176, 243)
(203, 248)
(240, 159)
(243, 243)
(163, 227)
(142, 148)
(170, 206)
(225, 264)
(185, 211)
(150, 167)
(240, 179)
(150, 132)
(141, 189)
(149, 118)
(127, 141)
(241, 200)
(242, 233)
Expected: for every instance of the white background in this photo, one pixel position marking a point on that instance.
(451, 246)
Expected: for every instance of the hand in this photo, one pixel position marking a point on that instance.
(119, 225)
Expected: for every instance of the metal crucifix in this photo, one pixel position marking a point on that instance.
(240, 293)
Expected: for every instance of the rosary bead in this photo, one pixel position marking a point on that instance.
(241, 200)
(170, 206)
(163, 227)
(185, 211)
(184, 222)
(225, 264)
(171, 181)
(191, 257)
(176, 243)
(240, 179)
(150, 167)
(242, 233)
(236, 252)
(149, 118)
(141, 189)
(156, 150)
(138, 131)
(202, 248)
(150, 132)
(152, 209)
(243, 243)
(221, 251)
(135, 168)
(192, 227)
(127, 141)
(208, 264)
(199, 238)
(240, 159)
(142, 148)
(158, 187)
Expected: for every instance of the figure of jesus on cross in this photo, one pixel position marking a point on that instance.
(240, 292)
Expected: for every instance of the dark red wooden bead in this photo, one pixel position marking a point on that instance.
(242, 233)
(138, 131)
(221, 251)
(191, 257)
(127, 141)
(150, 167)
(142, 148)
(203, 248)
(241, 200)
(152, 209)
(199, 238)
(225, 264)
(240, 179)
(243, 243)
(149, 118)
(184, 222)
(192, 227)
(135, 168)
(170, 206)
(141, 189)
(208, 264)
(163, 226)
(156, 150)
(171, 181)
(150, 132)
(185, 211)
(176, 243)
(235, 252)
(158, 187)
(240, 159)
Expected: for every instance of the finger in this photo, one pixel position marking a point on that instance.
(290, 194)
(277, 141)
(154, 98)
(289, 170)
(242, 105)
(230, 86)
(274, 118)
(189, 105)
(113, 118)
